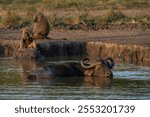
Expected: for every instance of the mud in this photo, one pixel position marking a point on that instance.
(123, 53)
(123, 46)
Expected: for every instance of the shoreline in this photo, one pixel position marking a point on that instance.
(126, 46)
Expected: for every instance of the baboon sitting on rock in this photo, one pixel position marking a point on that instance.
(39, 30)
(28, 48)
(27, 41)
(40, 27)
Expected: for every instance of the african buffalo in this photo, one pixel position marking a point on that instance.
(84, 68)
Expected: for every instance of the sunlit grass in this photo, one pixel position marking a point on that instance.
(55, 4)
(22, 11)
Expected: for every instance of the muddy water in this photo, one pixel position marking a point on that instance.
(130, 82)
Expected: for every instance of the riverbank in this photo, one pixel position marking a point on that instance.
(123, 46)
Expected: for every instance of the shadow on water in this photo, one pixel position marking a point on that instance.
(129, 82)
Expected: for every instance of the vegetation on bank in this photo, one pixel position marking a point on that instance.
(59, 4)
(19, 13)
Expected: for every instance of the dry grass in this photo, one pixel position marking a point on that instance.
(82, 4)
(86, 19)
(11, 18)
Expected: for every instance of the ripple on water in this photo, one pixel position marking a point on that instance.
(130, 82)
(132, 72)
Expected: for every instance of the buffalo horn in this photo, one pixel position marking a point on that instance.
(85, 63)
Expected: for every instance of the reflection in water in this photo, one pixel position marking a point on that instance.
(26, 66)
(130, 82)
(99, 82)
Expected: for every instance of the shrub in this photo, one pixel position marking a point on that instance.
(26, 1)
(6, 2)
(114, 16)
(11, 18)
(30, 12)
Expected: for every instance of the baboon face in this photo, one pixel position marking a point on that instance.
(27, 32)
(38, 17)
(27, 37)
(28, 40)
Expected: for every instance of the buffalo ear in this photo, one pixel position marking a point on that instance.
(110, 63)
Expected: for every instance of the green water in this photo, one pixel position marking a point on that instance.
(129, 82)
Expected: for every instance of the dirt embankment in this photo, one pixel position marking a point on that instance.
(125, 46)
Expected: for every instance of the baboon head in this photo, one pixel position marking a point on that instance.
(38, 17)
(27, 37)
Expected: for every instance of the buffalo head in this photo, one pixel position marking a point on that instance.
(100, 67)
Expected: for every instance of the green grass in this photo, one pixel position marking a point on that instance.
(87, 19)
(143, 19)
(82, 4)
(112, 16)
(136, 3)
(92, 22)
(30, 11)
(19, 1)
(11, 18)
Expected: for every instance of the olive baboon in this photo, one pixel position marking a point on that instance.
(27, 41)
(40, 27)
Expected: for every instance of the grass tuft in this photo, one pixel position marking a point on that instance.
(112, 16)
(11, 18)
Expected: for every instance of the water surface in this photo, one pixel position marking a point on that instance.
(129, 82)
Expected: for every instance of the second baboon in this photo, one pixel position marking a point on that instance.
(27, 41)
(40, 26)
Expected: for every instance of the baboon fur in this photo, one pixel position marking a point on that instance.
(40, 26)
(27, 41)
